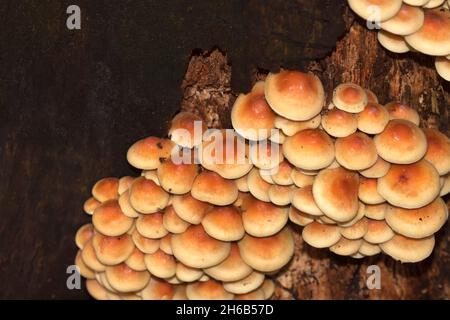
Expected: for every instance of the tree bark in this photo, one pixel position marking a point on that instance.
(410, 78)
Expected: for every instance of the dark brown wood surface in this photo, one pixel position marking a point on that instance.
(71, 103)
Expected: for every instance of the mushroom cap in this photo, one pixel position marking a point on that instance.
(358, 256)
(368, 249)
(112, 250)
(188, 274)
(233, 268)
(418, 223)
(146, 245)
(224, 223)
(106, 189)
(189, 208)
(160, 264)
(253, 281)
(392, 42)
(376, 211)
(241, 184)
(147, 197)
(257, 294)
(263, 219)
(401, 142)
(321, 235)
(359, 216)
(124, 279)
(300, 218)
(172, 222)
(438, 152)
(339, 123)
(333, 165)
(96, 290)
(136, 260)
(398, 110)
(187, 129)
(89, 258)
(336, 193)
(346, 247)
(281, 195)
(211, 187)
(310, 149)
(371, 96)
(281, 174)
(378, 170)
(157, 289)
(151, 175)
(325, 220)
(147, 154)
(267, 254)
(165, 244)
(350, 97)
(445, 189)
(408, 20)
(177, 178)
(433, 4)
(408, 250)
(373, 119)
(151, 225)
(174, 280)
(257, 186)
(356, 231)
(265, 154)
(295, 95)
(84, 270)
(242, 200)
(417, 3)
(90, 205)
(252, 116)
(303, 200)
(410, 186)
(101, 278)
(124, 184)
(366, 8)
(368, 192)
(207, 290)
(265, 175)
(433, 38)
(442, 65)
(300, 179)
(358, 144)
(84, 234)
(226, 153)
(125, 205)
(277, 137)
(291, 127)
(196, 249)
(109, 219)
(378, 231)
(268, 287)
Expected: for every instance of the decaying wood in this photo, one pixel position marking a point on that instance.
(411, 78)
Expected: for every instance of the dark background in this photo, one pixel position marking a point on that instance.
(72, 102)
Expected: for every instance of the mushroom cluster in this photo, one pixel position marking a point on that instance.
(411, 25)
(361, 178)
(207, 218)
(182, 230)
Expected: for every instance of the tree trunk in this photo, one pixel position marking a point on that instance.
(410, 78)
